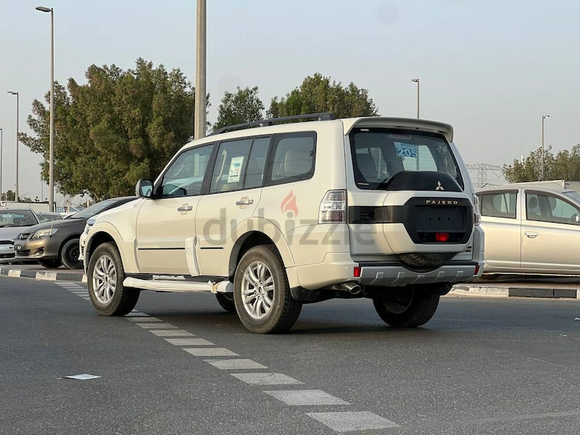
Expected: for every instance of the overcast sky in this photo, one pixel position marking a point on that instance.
(491, 68)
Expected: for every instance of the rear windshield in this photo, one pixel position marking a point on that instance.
(378, 154)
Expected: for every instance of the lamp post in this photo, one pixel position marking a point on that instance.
(51, 137)
(17, 127)
(1, 172)
(417, 81)
(200, 62)
(544, 117)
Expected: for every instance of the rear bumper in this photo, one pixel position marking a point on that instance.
(340, 268)
(396, 275)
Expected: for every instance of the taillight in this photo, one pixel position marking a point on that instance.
(441, 237)
(476, 211)
(333, 207)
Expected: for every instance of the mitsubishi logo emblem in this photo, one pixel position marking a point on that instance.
(439, 186)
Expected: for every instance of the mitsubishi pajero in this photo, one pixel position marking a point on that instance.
(274, 214)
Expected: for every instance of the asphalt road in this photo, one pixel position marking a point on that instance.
(480, 366)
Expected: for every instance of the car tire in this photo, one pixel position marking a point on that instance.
(50, 264)
(262, 293)
(105, 276)
(408, 311)
(226, 301)
(69, 254)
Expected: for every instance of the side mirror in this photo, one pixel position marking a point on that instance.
(144, 188)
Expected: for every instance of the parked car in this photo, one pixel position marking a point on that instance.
(531, 228)
(286, 213)
(56, 243)
(12, 222)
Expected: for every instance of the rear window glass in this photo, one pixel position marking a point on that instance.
(498, 204)
(379, 154)
(293, 157)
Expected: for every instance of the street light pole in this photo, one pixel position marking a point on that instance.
(1, 167)
(200, 62)
(417, 81)
(544, 117)
(17, 131)
(51, 140)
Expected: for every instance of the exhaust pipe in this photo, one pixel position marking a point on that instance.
(352, 287)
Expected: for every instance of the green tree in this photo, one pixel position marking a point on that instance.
(118, 127)
(9, 195)
(564, 166)
(318, 94)
(243, 106)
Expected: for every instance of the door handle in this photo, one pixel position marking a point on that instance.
(531, 235)
(245, 201)
(184, 207)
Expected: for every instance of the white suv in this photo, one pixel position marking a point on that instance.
(290, 212)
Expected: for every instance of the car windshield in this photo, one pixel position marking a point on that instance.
(575, 196)
(17, 218)
(378, 154)
(94, 209)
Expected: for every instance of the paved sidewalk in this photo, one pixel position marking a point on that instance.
(504, 286)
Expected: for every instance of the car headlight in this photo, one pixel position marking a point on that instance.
(42, 234)
(89, 224)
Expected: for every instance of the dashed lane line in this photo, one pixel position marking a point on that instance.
(352, 421)
(266, 379)
(339, 421)
(306, 397)
(235, 364)
(189, 342)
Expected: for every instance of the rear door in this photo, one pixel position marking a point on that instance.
(503, 229)
(234, 193)
(400, 177)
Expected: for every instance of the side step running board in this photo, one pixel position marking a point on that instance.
(179, 286)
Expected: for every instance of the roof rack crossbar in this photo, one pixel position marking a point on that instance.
(313, 116)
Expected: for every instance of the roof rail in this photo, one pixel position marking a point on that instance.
(313, 116)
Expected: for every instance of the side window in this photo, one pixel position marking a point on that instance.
(230, 165)
(533, 210)
(293, 157)
(553, 209)
(185, 175)
(256, 163)
(501, 205)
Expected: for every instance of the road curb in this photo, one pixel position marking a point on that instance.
(515, 292)
(43, 275)
(470, 289)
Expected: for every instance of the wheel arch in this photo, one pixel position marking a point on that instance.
(256, 238)
(106, 233)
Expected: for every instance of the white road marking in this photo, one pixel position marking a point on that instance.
(210, 351)
(136, 313)
(189, 342)
(266, 379)
(148, 319)
(306, 397)
(156, 325)
(172, 333)
(337, 421)
(235, 364)
(351, 421)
